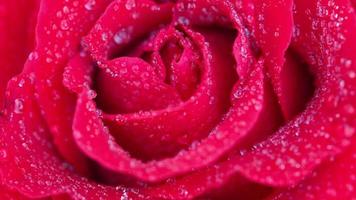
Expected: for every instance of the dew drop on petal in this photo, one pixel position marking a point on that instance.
(124, 195)
(33, 56)
(130, 4)
(349, 130)
(183, 21)
(352, 74)
(77, 134)
(18, 106)
(64, 25)
(21, 83)
(123, 35)
(90, 5)
(65, 10)
(91, 94)
(3, 153)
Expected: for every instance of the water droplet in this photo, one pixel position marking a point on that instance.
(18, 106)
(130, 4)
(64, 25)
(124, 195)
(349, 131)
(346, 62)
(49, 60)
(90, 5)
(91, 94)
(352, 74)
(123, 35)
(183, 20)
(33, 56)
(77, 134)
(65, 10)
(3, 153)
(104, 36)
(21, 83)
(183, 192)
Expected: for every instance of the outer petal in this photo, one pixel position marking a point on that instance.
(274, 31)
(6, 193)
(17, 25)
(326, 127)
(29, 161)
(60, 27)
(335, 179)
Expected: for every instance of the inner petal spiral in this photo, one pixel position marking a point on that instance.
(204, 91)
(161, 86)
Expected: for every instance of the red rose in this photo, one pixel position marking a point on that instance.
(203, 99)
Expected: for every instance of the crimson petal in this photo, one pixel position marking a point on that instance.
(95, 140)
(334, 179)
(325, 128)
(30, 163)
(67, 22)
(17, 21)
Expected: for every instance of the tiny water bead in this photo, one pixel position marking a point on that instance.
(3, 153)
(18, 107)
(89, 5)
(33, 56)
(123, 36)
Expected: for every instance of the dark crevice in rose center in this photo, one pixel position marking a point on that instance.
(182, 64)
(110, 178)
(170, 52)
(130, 48)
(297, 86)
(297, 83)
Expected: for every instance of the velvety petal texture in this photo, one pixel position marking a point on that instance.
(178, 99)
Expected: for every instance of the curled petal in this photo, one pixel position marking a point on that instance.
(32, 165)
(94, 139)
(17, 21)
(67, 22)
(325, 128)
(334, 179)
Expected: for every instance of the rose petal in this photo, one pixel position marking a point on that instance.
(123, 22)
(137, 88)
(94, 139)
(213, 180)
(325, 128)
(216, 179)
(297, 85)
(77, 74)
(6, 193)
(274, 24)
(160, 132)
(335, 179)
(67, 22)
(17, 20)
(29, 162)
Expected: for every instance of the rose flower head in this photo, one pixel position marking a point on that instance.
(178, 99)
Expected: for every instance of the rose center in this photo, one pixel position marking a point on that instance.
(161, 71)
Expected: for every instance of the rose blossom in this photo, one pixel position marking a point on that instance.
(186, 99)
